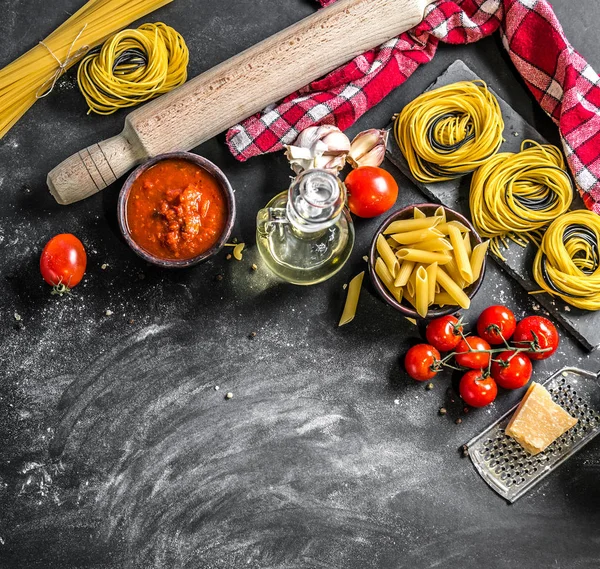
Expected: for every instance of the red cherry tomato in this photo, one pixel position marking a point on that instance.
(371, 191)
(477, 389)
(469, 353)
(496, 322)
(511, 370)
(420, 361)
(541, 332)
(63, 262)
(443, 333)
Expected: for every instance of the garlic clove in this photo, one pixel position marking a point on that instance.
(297, 153)
(324, 146)
(331, 163)
(368, 148)
(374, 157)
(337, 143)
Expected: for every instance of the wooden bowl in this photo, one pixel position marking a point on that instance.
(407, 213)
(203, 163)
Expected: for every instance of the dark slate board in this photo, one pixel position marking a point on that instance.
(583, 325)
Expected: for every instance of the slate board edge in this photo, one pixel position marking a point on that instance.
(553, 305)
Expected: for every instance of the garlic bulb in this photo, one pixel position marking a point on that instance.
(324, 147)
(368, 148)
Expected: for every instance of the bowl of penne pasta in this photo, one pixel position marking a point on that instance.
(427, 261)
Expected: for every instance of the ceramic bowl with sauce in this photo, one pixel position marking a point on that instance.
(434, 311)
(176, 210)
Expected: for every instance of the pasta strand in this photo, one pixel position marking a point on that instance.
(33, 74)
(132, 67)
(448, 132)
(515, 196)
(567, 263)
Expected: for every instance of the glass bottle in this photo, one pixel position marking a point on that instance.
(306, 234)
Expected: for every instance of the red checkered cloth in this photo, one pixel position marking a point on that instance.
(566, 87)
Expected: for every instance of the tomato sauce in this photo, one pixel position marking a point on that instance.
(176, 210)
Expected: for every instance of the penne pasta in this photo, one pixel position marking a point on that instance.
(416, 236)
(437, 244)
(352, 299)
(386, 253)
(452, 269)
(457, 293)
(444, 299)
(410, 285)
(411, 299)
(460, 254)
(425, 257)
(383, 273)
(406, 269)
(405, 225)
(422, 291)
(429, 261)
(432, 280)
(467, 242)
(477, 259)
(443, 227)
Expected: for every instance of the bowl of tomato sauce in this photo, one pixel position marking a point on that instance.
(176, 210)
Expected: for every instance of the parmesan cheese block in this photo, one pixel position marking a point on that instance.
(538, 421)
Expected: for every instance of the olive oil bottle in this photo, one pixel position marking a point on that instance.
(306, 234)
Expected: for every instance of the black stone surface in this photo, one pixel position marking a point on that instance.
(583, 325)
(116, 450)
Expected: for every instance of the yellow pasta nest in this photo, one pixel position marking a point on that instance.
(515, 196)
(448, 132)
(567, 263)
(133, 66)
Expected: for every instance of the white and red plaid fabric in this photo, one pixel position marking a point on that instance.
(566, 87)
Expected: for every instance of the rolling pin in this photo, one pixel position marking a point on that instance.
(237, 88)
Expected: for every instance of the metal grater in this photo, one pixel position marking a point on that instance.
(511, 471)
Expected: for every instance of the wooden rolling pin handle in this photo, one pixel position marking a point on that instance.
(92, 169)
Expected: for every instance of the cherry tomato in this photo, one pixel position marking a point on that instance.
(496, 322)
(443, 333)
(477, 389)
(511, 370)
(420, 361)
(474, 359)
(541, 332)
(63, 262)
(371, 191)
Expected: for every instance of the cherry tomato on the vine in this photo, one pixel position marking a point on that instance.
(538, 332)
(371, 191)
(420, 362)
(511, 370)
(470, 353)
(477, 388)
(495, 323)
(63, 262)
(444, 332)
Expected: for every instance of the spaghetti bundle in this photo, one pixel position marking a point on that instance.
(34, 74)
(448, 132)
(515, 196)
(133, 66)
(567, 263)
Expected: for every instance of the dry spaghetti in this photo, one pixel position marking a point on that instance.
(515, 196)
(448, 132)
(35, 73)
(133, 66)
(567, 263)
